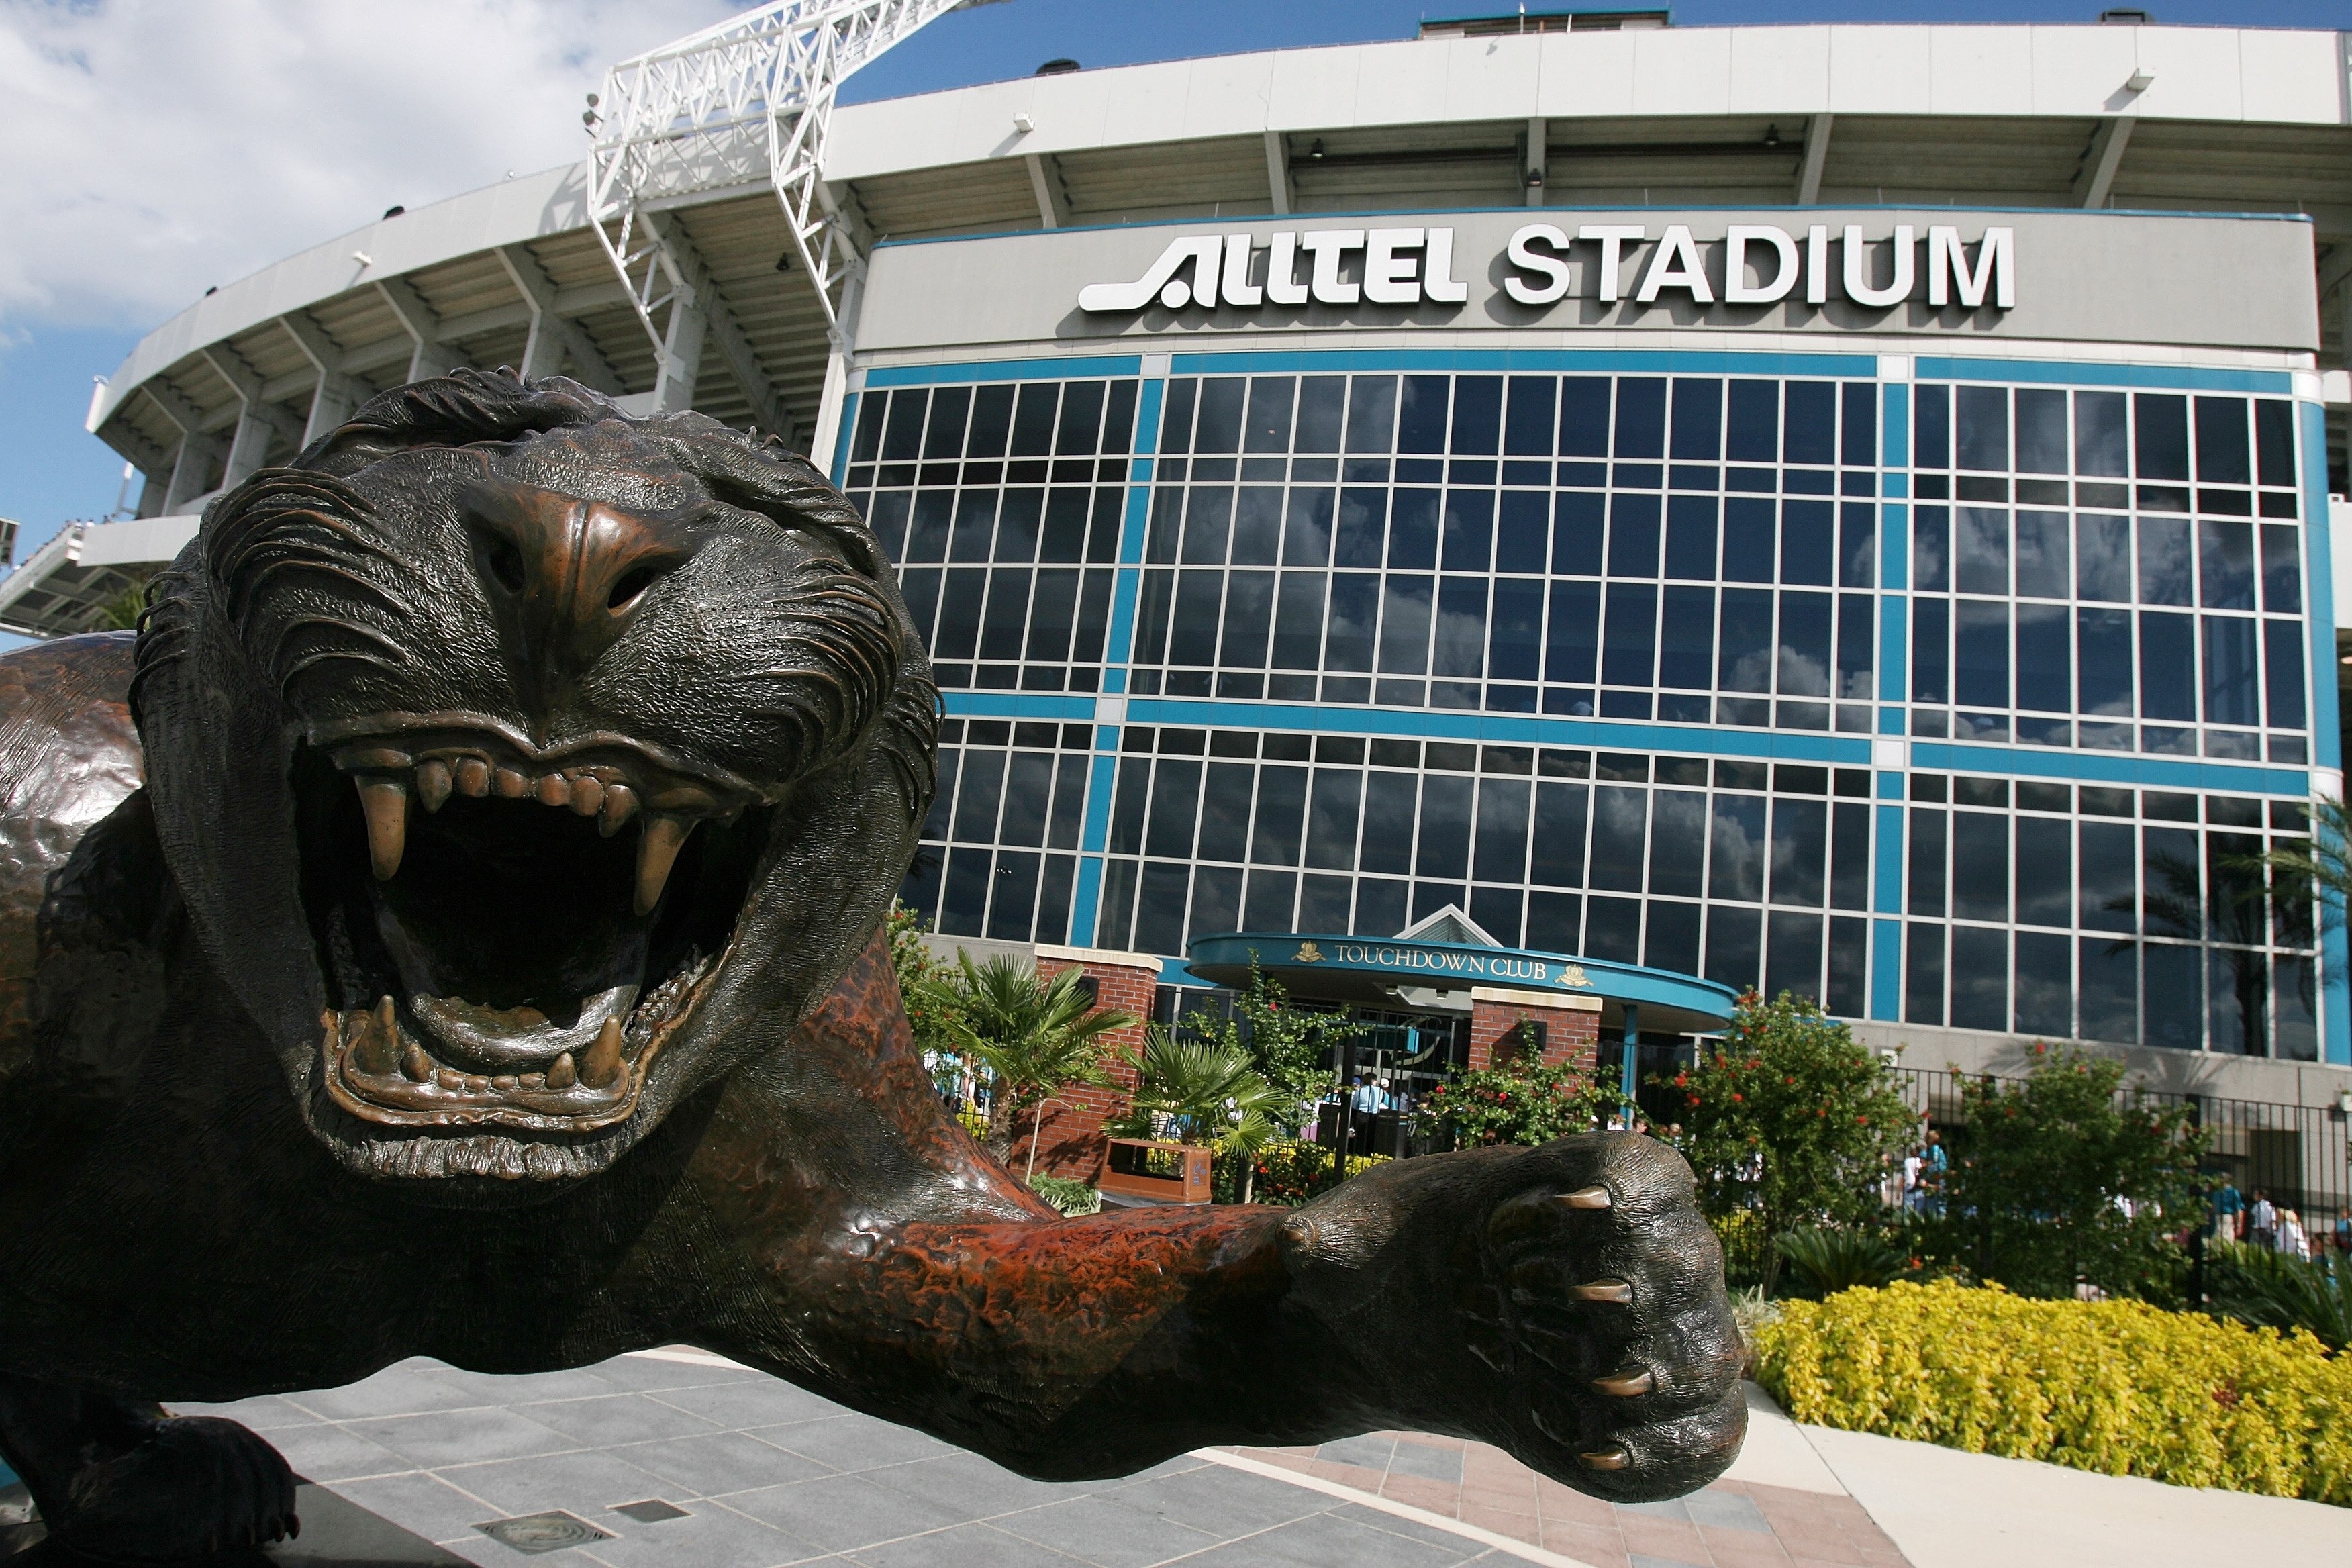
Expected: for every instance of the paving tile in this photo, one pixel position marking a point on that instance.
(1369, 1452)
(842, 1513)
(719, 1463)
(1725, 1511)
(1223, 1502)
(1737, 1550)
(1356, 1476)
(421, 1503)
(1437, 1496)
(647, 1374)
(1519, 1526)
(458, 1436)
(851, 1443)
(1662, 1538)
(1586, 1543)
(741, 1403)
(521, 1388)
(326, 1453)
(1576, 1508)
(709, 1536)
(1426, 1461)
(401, 1390)
(1521, 1500)
(1664, 1507)
(964, 1546)
(1642, 1559)
(972, 1487)
(616, 1418)
(475, 1547)
(581, 1481)
(1100, 1531)
(260, 1413)
(1410, 1529)
(1328, 1541)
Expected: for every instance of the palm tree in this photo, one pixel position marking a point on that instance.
(2324, 862)
(1033, 1034)
(1207, 1089)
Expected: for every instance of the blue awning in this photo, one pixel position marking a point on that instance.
(1355, 968)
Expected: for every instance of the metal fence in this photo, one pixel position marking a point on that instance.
(2300, 1155)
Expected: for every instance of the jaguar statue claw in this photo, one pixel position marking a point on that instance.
(449, 928)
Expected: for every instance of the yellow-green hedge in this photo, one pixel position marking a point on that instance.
(2119, 1388)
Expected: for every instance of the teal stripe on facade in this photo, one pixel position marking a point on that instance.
(1886, 970)
(842, 439)
(2327, 748)
(1887, 889)
(1017, 705)
(1242, 362)
(1895, 435)
(2187, 378)
(1895, 546)
(1096, 833)
(2319, 590)
(1005, 370)
(1085, 897)
(1501, 727)
(2104, 767)
(1118, 649)
(1894, 640)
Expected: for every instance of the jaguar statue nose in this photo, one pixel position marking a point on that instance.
(566, 576)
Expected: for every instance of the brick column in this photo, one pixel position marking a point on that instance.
(1571, 1024)
(1070, 1139)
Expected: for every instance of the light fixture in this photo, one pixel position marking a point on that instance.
(363, 258)
(1535, 179)
(1022, 125)
(2139, 81)
(1771, 136)
(1316, 151)
(785, 262)
(2344, 1100)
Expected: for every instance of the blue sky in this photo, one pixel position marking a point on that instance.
(74, 301)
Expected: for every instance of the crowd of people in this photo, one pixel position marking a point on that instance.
(2258, 1222)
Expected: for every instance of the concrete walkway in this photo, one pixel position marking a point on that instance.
(676, 1456)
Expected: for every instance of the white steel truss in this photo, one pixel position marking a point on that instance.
(752, 97)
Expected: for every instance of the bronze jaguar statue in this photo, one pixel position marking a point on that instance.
(450, 929)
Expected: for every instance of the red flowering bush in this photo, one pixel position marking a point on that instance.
(1788, 1119)
(1524, 1099)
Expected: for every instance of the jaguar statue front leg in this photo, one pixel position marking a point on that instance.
(1564, 1302)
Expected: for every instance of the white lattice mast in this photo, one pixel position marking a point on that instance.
(748, 100)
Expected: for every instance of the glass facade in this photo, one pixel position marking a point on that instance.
(1948, 701)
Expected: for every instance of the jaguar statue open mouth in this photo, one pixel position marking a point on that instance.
(533, 928)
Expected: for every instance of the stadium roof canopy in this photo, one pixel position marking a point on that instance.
(2181, 119)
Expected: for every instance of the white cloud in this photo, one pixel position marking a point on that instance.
(152, 148)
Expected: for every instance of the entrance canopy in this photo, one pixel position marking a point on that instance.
(1320, 967)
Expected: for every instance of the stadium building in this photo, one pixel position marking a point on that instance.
(1558, 505)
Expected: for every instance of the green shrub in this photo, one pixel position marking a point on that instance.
(2119, 1388)
(1073, 1198)
(2064, 1177)
(1827, 1262)
(2267, 1288)
(1289, 1173)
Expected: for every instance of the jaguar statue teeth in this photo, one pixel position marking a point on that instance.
(450, 928)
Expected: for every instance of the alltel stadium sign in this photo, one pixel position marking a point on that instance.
(1544, 263)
